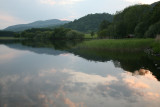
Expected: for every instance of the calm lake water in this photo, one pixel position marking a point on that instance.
(38, 75)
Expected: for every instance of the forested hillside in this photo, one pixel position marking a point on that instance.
(89, 22)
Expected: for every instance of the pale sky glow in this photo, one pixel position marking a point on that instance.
(24, 11)
(6, 19)
(142, 1)
(59, 2)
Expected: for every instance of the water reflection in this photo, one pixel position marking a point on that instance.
(129, 61)
(46, 77)
(63, 88)
(7, 54)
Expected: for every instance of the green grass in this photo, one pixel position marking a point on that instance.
(156, 46)
(88, 36)
(119, 44)
(7, 38)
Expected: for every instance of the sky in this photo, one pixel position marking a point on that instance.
(14, 12)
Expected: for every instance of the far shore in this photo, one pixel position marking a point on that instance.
(9, 38)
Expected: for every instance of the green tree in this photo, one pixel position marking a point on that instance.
(104, 24)
(153, 31)
(92, 34)
(155, 14)
(127, 20)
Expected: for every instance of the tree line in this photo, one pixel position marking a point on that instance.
(7, 33)
(46, 33)
(141, 21)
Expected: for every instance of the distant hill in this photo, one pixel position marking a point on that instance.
(37, 24)
(89, 23)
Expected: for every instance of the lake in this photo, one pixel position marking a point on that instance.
(37, 74)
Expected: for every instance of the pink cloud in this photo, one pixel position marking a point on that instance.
(69, 102)
(136, 84)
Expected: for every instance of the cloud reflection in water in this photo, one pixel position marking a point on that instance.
(67, 88)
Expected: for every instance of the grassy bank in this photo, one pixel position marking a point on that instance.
(8, 38)
(156, 46)
(120, 44)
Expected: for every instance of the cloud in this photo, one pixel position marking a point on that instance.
(142, 1)
(69, 103)
(45, 73)
(89, 79)
(74, 89)
(7, 20)
(135, 84)
(59, 2)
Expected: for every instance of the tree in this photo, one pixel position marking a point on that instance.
(132, 20)
(92, 34)
(140, 29)
(153, 31)
(104, 24)
(155, 14)
(127, 20)
(7, 33)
